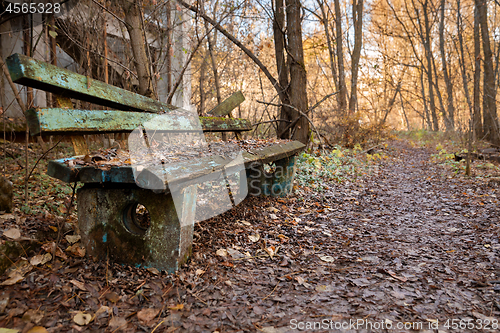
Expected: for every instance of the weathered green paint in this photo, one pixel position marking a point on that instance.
(51, 121)
(181, 172)
(228, 105)
(41, 75)
(102, 216)
(215, 124)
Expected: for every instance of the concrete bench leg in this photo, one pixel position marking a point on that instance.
(279, 183)
(111, 224)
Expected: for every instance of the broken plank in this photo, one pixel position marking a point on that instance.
(228, 105)
(41, 75)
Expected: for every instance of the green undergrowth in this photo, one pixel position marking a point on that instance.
(480, 168)
(315, 170)
(429, 139)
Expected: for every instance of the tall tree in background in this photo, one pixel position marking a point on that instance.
(282, 68)
(490, 120)
(426, 36)
(298, 77)
(135, 28)
(342, 95)
(357, 17)
(450, 116)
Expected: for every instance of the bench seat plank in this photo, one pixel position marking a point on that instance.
(187, 170)
(53, 121)
(41, 75)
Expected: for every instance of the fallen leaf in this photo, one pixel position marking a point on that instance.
(21, 268)
(235, 254)
(271, 250)
(82, 318)
(36, 329)
(79, 285)
(199, 272)
(72, 239)
(254, 238)
(112, 297)
(76, 250)
(49, 247)
(323, 288)
(272, 216)
(222, 252)
(147, 315)
(41, 259)
(176, 307)
(153, 270)
(7, 216)
(15, 278)
(245, 222)
(103, 311)
(327, 258)
(13, 233)
(8, 330)
(400, 278)
(273, 209)
(33, 316)
(118, 322)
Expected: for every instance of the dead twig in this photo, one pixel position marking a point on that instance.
(300, 112)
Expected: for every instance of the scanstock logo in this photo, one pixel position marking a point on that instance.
(204, 179)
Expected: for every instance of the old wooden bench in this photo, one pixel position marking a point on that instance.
(108, 217)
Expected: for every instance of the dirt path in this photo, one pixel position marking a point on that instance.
(408, 246)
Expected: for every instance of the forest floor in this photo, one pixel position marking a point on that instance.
(408, 245)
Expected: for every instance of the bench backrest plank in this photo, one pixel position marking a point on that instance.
(41, 75)
(53, 121)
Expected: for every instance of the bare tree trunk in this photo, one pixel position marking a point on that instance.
(168, 56)
(461, 58)
(202, 80)
(450, 117)
(490, 119)
(298, 78)
(331, 53)
(135, 30)
(357, 15)
(478, 122)
(404, 111)
(214, 65)
(424, 100)
(342, 95)
(428, 53)
(282, 68)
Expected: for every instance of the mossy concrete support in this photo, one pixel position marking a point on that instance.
(278, 183)
(109, 227)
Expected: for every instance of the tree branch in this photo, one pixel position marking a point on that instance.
(233, 39)
(300, 112)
